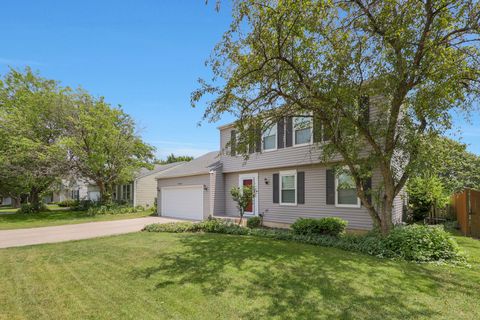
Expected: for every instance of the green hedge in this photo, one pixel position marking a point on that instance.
(113, 209)
(422, 243)
(254, 222)
(68, 203)
(412, 243)
(327, 226)
(28, 208)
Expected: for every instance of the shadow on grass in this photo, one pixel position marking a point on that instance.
(290, 280)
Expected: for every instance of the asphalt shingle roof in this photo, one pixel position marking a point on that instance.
(157, 168)
(201, 165)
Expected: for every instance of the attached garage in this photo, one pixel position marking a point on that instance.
(184, 202)
(192, 190)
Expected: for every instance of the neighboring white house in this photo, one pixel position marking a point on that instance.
(7, 201)
(74, 189)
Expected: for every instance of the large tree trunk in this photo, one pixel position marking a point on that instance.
(35, 199)
(105, 195)
(17, 201)
(386, 223)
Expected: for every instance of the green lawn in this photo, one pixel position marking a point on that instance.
(57, 216)
(212, 276)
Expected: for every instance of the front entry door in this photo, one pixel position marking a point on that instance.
(250, 180)
(248, 183)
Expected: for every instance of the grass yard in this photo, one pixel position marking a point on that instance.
(57, 216)
(213, 276)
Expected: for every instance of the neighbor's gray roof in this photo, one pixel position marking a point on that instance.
(200, 165)
(157, 168)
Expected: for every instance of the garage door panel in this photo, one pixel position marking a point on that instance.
(183, 202)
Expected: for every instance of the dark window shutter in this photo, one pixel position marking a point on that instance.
(317, 128)
(300, 187)
(330, 186)
(327, 134)
(365, 109)
(281, 134)
(367, 187)
(251, 139)
(233, 142)
(276, 186)
(289, 132)
(258, 139)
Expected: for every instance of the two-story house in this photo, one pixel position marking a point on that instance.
(286, 172)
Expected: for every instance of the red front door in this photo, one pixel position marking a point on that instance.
(248, 183)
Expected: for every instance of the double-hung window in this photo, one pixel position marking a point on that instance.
(346, 191)
(126, 192)
(269, 138)
(288, 187)
(302, 130)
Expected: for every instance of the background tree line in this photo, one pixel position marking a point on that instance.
(48, 132)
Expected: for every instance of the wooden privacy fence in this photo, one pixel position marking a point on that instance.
(466, 206)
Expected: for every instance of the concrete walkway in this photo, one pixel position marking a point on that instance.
(24, 237)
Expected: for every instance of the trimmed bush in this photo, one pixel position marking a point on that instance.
(28, 208)
(327, 226)
(68, 203)
(421, 243)
(113, 208)
(174, 227)
(254, 222)
(84, 205)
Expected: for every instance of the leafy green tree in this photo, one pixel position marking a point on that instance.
(243, 196)
(450, 161)
(103, 144)
(173, 158)
(416, 60)
(425, 194)
(33, 155)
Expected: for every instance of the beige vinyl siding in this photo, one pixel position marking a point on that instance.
(217, 194)
(315, 200)
(397, 214)
(145, 190)
(285, 157)
(203, 179)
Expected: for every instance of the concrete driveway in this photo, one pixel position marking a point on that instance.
(24, 237)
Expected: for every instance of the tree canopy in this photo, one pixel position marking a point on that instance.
(104, 146)
(33, 154)
(48, 132)
(172, 158)
(449, 161)
(415, 60)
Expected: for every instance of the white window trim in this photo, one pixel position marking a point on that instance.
(276, 139)
(294, 130)
(339, 205)
(283, 174)
(254, 177)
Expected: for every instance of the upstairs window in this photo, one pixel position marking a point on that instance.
(269, 138)
(302, 130)
(346, 191)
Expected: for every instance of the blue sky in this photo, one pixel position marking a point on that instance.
(144, 55)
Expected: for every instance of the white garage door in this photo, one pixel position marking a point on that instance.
(183, 202)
